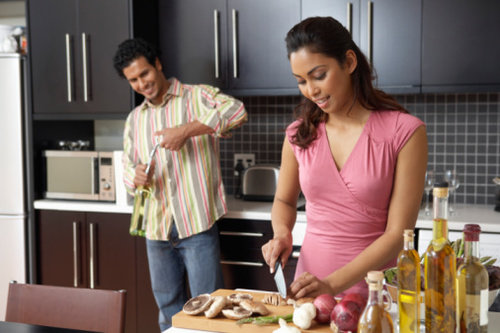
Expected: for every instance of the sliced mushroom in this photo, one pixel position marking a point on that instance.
(197, 305)
(217, 305)
(255, 307)
(274, 299)
(238, 297)
(236, 313)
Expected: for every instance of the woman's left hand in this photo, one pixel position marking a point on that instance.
(308, 285)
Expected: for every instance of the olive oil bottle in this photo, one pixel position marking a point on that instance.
(408, 277)
(440, 270)
(472, 285)
(375, 318)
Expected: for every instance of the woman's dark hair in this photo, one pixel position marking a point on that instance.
(132, 49)
(327, 36)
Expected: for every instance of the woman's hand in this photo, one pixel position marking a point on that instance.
(308, 285)
(276, 248)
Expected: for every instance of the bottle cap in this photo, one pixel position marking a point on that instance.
(375, 276)
(440, 190)
(471, 232)
(408, 234)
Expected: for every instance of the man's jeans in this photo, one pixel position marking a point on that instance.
(197, 256)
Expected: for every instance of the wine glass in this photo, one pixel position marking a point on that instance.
(429, 183)
(453, 183)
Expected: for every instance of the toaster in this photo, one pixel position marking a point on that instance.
(259, 182)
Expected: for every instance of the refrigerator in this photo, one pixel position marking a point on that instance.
(16, 190)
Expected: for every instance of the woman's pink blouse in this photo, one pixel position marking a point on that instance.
(347, 210)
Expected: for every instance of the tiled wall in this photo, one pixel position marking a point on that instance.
(463, 132)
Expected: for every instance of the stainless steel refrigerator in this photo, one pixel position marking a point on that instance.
(16, 204)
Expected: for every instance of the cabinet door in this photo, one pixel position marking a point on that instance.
(390, 33)
(102, 26)
(344, 11)
(61, 252)
(111, 258)
(193, 40)
(460, 49)
(52, 47)
(260, 61)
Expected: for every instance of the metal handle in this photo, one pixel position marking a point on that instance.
(68, 68)
(242, 263)
(94, 175)
(370, 38)
(216, 42)
(85, 67)
(236, 233)
(295, 254)
(92, 255)
(235, 44)
(349, 17)
(76, 274)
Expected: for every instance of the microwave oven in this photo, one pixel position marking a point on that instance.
(79, 175)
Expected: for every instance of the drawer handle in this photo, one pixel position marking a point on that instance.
(295, 254)
(92, 258)
(242, 263)
(75, 254)
(238, 233)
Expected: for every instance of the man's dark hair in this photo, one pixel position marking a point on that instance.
(132, 49)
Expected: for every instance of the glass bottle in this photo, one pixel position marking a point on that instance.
(375, 318)
(472, 285)
(408, 277)
(141, 202)
(440, 269)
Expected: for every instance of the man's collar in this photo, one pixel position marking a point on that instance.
(174, 89)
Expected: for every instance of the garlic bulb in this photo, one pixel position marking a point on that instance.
(303, 315)
(284, 328)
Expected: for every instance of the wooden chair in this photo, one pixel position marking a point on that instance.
(66, 307)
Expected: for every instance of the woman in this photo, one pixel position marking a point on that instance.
(358, 157)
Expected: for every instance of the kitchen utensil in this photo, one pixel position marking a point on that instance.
(279, 278)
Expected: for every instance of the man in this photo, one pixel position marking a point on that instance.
(187, 194)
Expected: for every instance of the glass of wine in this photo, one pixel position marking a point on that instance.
(453, 183)
(429, 183)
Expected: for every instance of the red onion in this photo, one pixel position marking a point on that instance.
(345, 316)
(324, 305)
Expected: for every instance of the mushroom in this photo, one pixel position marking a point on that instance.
(255, 307)
(218, 304)
(197, 305)
(236, 313)
(238, 297)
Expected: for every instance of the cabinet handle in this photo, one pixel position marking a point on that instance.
(216, 42)
(349, 17)
(76, 274)
(370, 30)
(242, 263)
(92, 258)
(235, 43)
(69, 79)
(237, 233)
(85, 68)
(295, 254)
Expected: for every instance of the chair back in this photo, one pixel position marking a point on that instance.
(86, 309)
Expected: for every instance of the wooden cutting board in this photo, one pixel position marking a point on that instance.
(222, 324)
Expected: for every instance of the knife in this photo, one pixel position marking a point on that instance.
(279, 278)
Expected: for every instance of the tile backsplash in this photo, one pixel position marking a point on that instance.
(463, 133)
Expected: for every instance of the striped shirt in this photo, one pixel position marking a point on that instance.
(187, 184)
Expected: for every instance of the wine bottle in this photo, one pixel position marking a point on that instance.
(440, 270)
(141, 202)
(472, 285)
(375, 318)
(408, 277)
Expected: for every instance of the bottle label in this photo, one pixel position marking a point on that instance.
(483, 316)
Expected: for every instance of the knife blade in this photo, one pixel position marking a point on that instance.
(279, 278)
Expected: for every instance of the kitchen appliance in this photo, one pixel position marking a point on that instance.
(16, 204)
(79, 175)
(259, 182)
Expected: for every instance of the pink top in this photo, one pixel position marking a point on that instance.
(347, 210)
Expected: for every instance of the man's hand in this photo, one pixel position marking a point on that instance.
(173, 138)
(141, 179)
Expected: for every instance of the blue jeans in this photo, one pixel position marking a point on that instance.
(197, 256)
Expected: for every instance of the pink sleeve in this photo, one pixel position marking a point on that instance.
(405, 127)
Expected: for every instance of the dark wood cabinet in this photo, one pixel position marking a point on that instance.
(72, 43)
(95, 250)
(241, 257)
(460, 51)
(388, 32)
(236, 45)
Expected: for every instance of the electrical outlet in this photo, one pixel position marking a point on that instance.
(246, 159)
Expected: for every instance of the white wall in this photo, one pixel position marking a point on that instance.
(12, 13)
